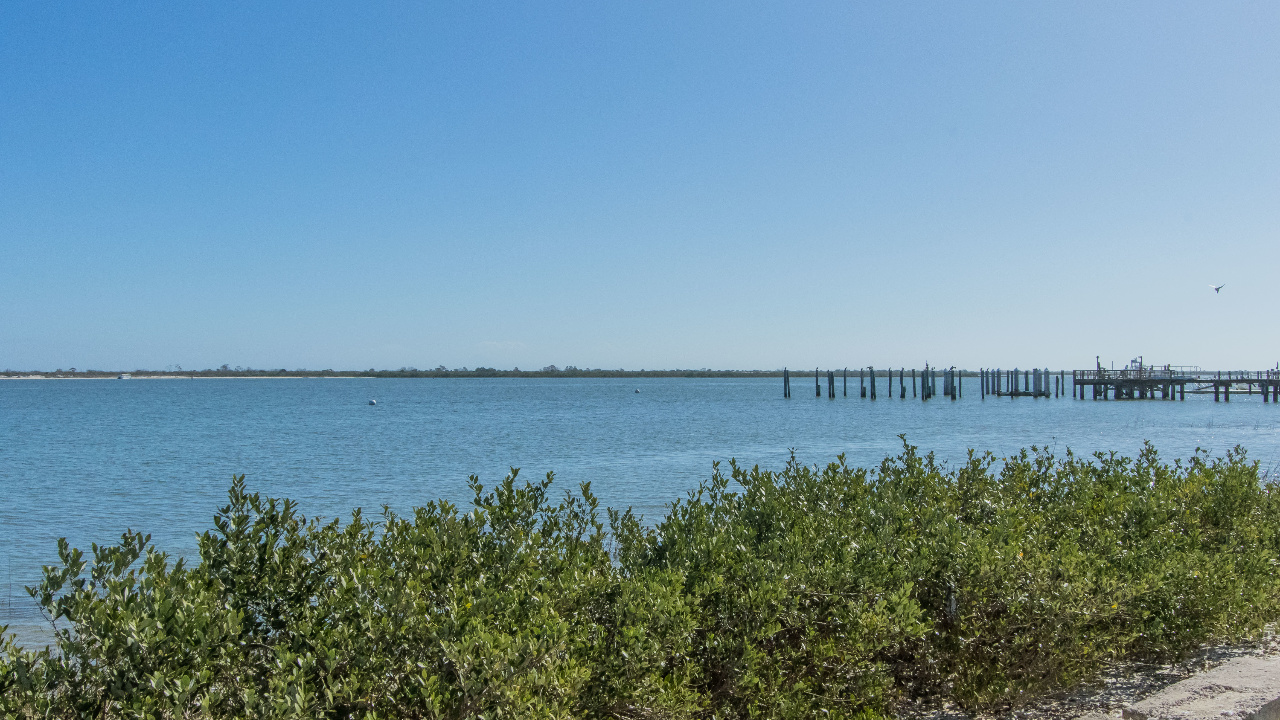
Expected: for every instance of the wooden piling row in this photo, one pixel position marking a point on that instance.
(1137, 383)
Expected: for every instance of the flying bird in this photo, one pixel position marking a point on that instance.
(1218, 288)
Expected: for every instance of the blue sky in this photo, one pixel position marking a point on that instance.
(641, 185)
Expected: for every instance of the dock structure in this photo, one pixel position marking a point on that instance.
(1138, 381)
(1169, 382)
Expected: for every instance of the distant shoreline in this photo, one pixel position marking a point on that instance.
(313, 374)
(570, 372)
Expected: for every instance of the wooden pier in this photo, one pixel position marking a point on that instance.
(1169, 382)
(1138, 381)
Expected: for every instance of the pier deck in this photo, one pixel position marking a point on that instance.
(1170, 383)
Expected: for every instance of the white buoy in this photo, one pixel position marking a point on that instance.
(373, 402)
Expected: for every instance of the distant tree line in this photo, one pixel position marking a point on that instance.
(405, 372)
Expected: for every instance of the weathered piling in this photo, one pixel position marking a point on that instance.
(817, 386)
(902, 383)
(913, 382)
(786, 383)
(831, 385)
(862, 381)
(846, 382)
(871, 373)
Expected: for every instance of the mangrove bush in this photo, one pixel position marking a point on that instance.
(807, 591)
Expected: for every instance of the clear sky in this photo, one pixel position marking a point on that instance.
(638, 185)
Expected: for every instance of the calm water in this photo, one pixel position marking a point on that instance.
(87, 459)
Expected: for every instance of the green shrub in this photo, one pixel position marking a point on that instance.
(808, 591)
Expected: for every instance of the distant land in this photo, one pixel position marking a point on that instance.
(551, 371)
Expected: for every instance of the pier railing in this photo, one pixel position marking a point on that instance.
(1172, 374)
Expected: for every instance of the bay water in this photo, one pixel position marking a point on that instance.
(86, 459)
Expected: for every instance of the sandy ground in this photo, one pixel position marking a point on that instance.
(1118, 687)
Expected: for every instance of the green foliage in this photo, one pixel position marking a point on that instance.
(808, 591)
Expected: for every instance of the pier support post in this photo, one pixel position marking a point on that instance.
(817, 386)
(846, 382)
(862, 382)
(786, 383)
